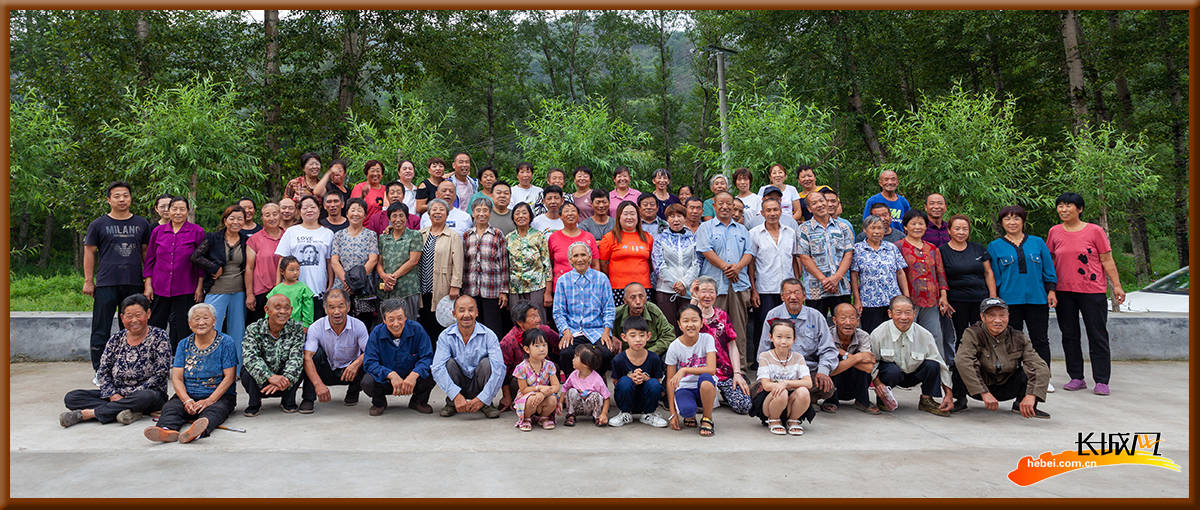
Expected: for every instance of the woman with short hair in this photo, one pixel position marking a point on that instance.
(1025, 278)
(674, 263)
(876, 274)
(528, 262)
(172, 281)
(662, 192)
(311, 244)
(355, 246)
(399, 256)
(261, 261)
(441, 265)
(485, 262)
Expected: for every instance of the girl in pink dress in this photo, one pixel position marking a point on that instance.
(537, 383)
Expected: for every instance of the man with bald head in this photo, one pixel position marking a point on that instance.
(937, 230)
(468, 364)
(456, 218)
(273, 357)
(897, 205)
(287, 213)
(852, 375)
(636, 305)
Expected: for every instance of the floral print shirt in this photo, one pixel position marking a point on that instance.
(721, 329)
(926, 276)
(353, 250)
(528, 261)
(393, 253)
(125, 369)
(877, 272)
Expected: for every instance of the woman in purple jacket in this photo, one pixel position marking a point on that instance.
(171, 279)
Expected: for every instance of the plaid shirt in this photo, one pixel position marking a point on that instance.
(486, 263)
(583, 303)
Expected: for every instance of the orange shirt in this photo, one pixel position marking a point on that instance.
(628, 260)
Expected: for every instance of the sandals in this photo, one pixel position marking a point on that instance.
(569, 421)
(689, 423)
(866, 408)
(795, 428)
(775, 425)
(525, 425)
(706, 427)
(547, 423)
(829, 407)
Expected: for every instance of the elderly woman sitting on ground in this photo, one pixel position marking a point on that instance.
(203, 375)
(132, 374)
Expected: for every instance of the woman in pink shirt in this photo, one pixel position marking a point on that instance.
(261, 261)
(622, 191)
(371, 190)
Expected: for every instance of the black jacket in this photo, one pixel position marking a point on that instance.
(210, 254)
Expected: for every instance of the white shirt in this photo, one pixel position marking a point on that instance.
(312, 249)
(410, 199)
(546, 225)
(458, 220)
(520, 194)
(785, 202)
(772, 259)
(751, 204)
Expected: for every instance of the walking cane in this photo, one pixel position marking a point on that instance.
(222, 427)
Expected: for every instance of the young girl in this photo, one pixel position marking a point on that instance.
(295, 290)
(784, 382)
(691, 362)
(586, 391)
(537, 383)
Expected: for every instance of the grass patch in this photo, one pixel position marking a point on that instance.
(55, 293)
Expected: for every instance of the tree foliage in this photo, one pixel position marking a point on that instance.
(1108, 168)
(567, 136)
(407, 130)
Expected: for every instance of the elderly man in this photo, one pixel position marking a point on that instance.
(892, 235)
(897, 205)
(725, 246)
(824, 250)
(456, 218)
(996, 362)
(852, 375)
(813, 340)
(273, 357)
(583, 309)
(287, 213)
(397, 361)
(907, 355)
(661, 330)
(333, 353)
(468, 364)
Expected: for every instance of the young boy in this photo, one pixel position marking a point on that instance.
(638, 374)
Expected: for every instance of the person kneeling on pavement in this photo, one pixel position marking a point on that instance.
(333, 353)
(996, 362)
(468, 365)
(906, 356)
(273, 357)
(397, 361)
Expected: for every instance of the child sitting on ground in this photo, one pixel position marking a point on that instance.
(586, 392)
(537, 383)
(783, 383)
(691, 362)
(296, 291)
(637, 373)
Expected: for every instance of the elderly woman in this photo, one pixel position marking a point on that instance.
(876, 274)
(132, 374)
(310, 164)
(311, 244)
(222, 256)
(926, 278)
(399, 256)
(371, 190)
(405, 173)
(355, 246)
(625, 252)
(262, 269)
(203, 375)
(674, 263)
(528, 262)
(171, 280)
(525, 317)
(441, 263)
(1025, 278)
(715, 321)
(717, 184)
(662, 192)
(485, 262)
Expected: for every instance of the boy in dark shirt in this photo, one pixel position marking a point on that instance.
(638, 375)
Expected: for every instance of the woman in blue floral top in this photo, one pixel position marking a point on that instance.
(876, 274)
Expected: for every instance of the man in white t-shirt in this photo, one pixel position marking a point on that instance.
(456, 218)
(551, 221)
(772, 245)
(525, 191)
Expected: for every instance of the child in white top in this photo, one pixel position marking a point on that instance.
(691, 364)
(784, 382)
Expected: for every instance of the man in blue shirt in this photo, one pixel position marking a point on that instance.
(725, 246)
(897, 204)
(468, 364)
(397, 361)
(584, 309)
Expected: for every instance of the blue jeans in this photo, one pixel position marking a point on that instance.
(637, 398)
(231, 316)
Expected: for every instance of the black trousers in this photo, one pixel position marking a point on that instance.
(329, 377)
(852, 384)
(379, 390)
(260, 303)
(172, 311)
(766, 303)
(566, 357)
(142, 401)
(469, 387)
(1094, 308)
(491, 315)
(254, 394)
(1036, 320)
(1013, 388)
(827, 304)
(428, 320)
(319, 307)
(106, 301)
(174, 415)
(928, 375)
(965, 314)
(872, 317)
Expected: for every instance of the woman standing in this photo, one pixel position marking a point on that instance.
(582, 197)
(926, 277)
(625, 252)
(674, 263)
(441, 264)
(310, 243)
(264, 267)
(717, 184)
(301, 186)
(354, 246)
(1025, 278)
(162, 206)
(371, 190)
(751, 203)
(171, 280)
(399, 255)
(406, 173)
(876, 274)
(621, 191)
(223, 257)
(487, 179)
(790, 202)
(528, 262)
(968, 274)
(486, 264)
(427, 191)
(662, 193)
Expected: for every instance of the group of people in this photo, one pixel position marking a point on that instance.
(675, 299)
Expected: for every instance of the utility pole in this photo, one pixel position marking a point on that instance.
(721, 96)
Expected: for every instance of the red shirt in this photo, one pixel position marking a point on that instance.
(1077, 258)
(373, 197)
(560, 243)
(926, 276)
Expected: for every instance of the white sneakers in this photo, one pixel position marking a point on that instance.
(650, 419)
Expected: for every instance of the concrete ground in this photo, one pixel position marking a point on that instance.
(342, 452)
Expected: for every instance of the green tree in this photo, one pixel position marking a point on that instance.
(40, 141)
(571, 135)
(408, 130)
(1108, 168)
(190, 140)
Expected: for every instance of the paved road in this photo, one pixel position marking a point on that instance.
(342, 452)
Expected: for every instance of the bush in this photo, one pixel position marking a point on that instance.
(57, 293)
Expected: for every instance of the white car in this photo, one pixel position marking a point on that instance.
(1167, 294)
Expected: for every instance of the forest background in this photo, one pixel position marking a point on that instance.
(985, 107)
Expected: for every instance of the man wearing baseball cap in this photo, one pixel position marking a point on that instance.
(996, 362)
